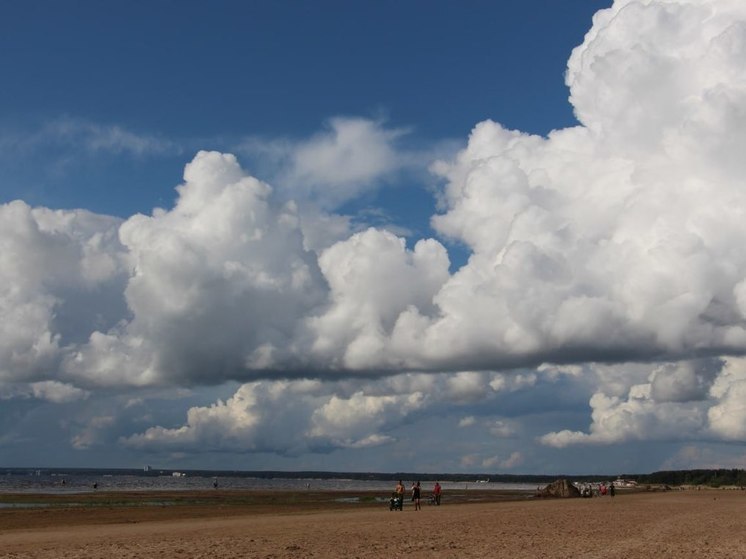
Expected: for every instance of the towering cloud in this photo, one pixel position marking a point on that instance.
(617, 239)
(219, 285)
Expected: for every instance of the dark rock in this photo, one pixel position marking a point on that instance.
(560, 489)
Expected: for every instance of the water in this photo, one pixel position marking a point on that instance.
(38, 481)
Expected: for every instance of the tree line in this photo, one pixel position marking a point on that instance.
(711, 478)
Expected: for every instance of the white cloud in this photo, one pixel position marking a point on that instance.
(619, 241)
(502, 429)
(351, 154)
(285, 417)
(288, 417)
(347, 422)
(619, 236)
(79, 135)
(49, 262)
(496, 462)
(373, 279)
(467, 386)
(695, 400)
(637, 418)
(57, 392)
(492, 463)
(232, 422)
(350, 157)
(217, 288)
(727, 418)
(467, 421)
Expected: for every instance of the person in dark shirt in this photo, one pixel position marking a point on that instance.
(416, 495)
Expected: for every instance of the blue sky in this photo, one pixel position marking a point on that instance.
(198, 78)
(338, 235)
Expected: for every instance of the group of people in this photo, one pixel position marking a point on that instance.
(398, 497)
(588, 490)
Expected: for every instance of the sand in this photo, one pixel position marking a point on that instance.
(676, 524)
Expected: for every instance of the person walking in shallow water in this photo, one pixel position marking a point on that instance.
(437, 490)
(416, 495)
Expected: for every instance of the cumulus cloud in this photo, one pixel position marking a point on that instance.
(217, 285)
(358, 327)
(293, 416)
(57, 392)
(233, 421)
(611, 251)
(496, 462)
(345, 158)
(50, 262)
(697, 400)
(614, 239)
(636, 418)
(727, 418)
(285, 417)
(350, 157)
(585, 246)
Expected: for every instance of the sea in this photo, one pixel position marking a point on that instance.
(86, 481)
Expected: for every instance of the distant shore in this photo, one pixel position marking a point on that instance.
(219, 524)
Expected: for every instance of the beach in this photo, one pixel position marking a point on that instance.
(708, 523)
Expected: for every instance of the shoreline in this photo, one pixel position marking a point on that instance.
(106, 507)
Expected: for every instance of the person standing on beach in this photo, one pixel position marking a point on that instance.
(399, 492)
(416, 495)
(436, 493)
(611, 489)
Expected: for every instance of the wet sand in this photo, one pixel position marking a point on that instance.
(676, 524)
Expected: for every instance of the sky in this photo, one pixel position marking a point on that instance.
(487, 237)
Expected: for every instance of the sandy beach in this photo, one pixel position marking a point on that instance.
(701, 524)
